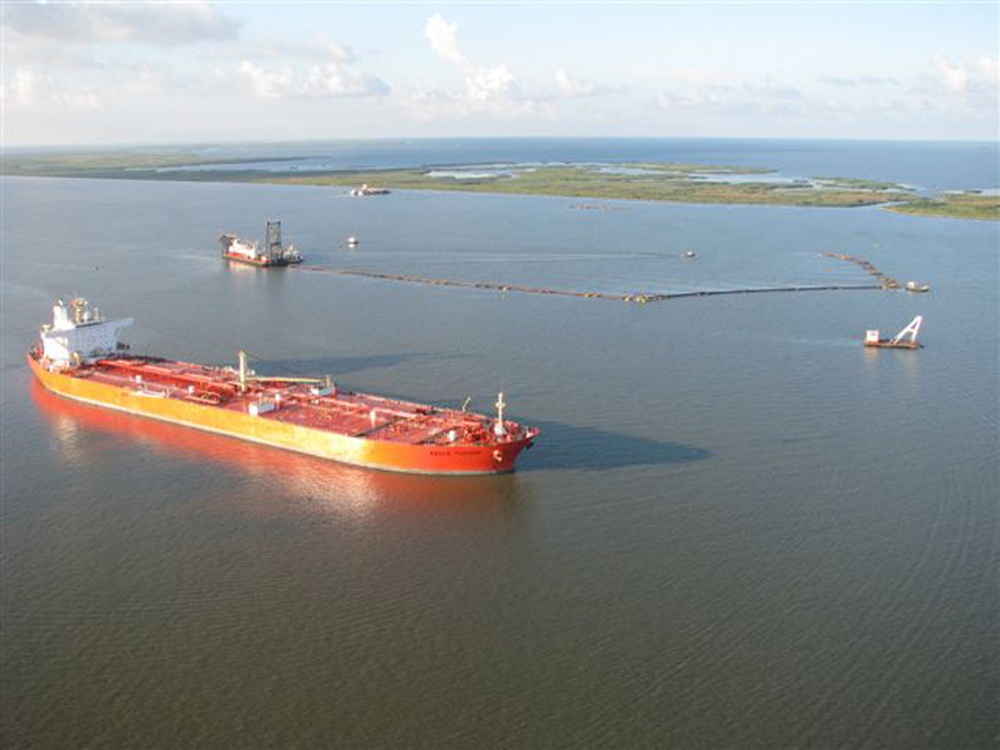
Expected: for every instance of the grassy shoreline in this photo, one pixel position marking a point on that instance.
(680, 183)
(578, 182)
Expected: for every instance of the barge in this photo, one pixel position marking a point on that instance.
(900, 340)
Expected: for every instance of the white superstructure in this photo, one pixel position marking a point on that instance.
(366, 190)
(246, 248)
(77, 334)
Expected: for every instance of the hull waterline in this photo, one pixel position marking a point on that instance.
(273, 430)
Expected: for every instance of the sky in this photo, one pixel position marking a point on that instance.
(110, 73)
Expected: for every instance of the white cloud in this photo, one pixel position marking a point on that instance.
(78, 99)
(494, 90)
(311, 82)
(77, 56)
(26, 88)
(949, 90)
(20, 89)
(953, 76)
(689, 100)
(568, 87)
(988, 68)
(490, 84)
(977, 76)
(320, 49)
(145, 82)
(768, 90)
(858, 81)
(429, 104)
(122, 52)
(161, 24)
(335, 50)
(443, 37)
(765, 101)
(571, 86)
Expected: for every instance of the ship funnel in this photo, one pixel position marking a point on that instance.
(60, 316)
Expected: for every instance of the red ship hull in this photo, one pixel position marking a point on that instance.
(352, 428)
(259, 262)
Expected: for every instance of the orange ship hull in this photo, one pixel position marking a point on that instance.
(491, 457)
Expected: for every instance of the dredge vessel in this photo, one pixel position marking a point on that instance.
(80, 357)
(247, 251)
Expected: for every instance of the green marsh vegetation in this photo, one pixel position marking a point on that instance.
(647, 181)
(676, 183)
(967, 205)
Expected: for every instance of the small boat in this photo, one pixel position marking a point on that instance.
(900, 340)
(913, 286)
(367, 190)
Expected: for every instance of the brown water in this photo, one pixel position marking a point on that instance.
(739, 529)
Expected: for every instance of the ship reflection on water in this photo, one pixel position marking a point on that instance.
(278, 482)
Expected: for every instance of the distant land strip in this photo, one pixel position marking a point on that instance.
(670, 182)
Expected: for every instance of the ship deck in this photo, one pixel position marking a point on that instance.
(302, 403)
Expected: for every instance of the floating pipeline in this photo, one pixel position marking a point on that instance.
(641, 298)
(885, 281)
(753, 290)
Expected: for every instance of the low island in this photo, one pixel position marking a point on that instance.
(687, 183)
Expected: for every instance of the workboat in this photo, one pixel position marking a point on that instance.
(273, 253)
(367, 190)
(905, 339)
(79, 356)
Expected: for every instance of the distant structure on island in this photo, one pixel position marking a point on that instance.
(367, 190)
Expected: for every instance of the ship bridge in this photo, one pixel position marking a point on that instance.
(79, 334)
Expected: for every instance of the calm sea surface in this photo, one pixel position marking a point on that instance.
(738, 529)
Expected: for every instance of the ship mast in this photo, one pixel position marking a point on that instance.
(498, 428)
(243, 371)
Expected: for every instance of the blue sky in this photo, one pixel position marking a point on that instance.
(169, 72)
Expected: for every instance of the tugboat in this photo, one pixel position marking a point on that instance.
(899, 341)
(246, 251)
(79, 356)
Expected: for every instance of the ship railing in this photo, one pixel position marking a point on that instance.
(380, 426)
(435, 436)
(177, 377)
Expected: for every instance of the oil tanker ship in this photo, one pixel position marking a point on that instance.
(79, 356)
